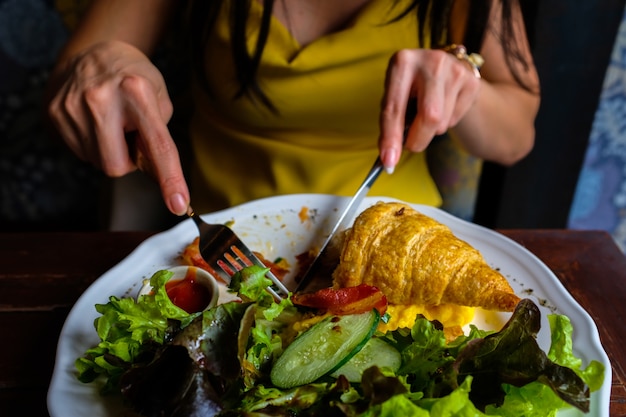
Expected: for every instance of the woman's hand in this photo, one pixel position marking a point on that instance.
(105, 94)
(443, 88)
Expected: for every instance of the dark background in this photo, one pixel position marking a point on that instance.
(572, 41)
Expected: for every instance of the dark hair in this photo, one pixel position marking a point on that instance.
(203, 14)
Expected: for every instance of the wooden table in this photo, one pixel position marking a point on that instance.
(43, 274)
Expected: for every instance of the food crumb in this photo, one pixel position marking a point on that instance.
(545, 303)
(303, 215)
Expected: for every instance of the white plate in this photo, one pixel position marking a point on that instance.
(277, 227)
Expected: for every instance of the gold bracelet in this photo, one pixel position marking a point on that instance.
(475, 61)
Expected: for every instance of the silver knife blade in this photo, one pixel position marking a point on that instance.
(345, 220)
(348, 214)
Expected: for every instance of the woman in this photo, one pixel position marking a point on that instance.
(291, 94)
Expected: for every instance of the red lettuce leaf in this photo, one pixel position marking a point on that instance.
(512, 356)
(194, 375)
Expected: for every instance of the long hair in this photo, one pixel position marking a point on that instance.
(203, 14)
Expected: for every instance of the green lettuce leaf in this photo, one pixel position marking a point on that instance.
(562, 352)
(457, 403)
(250, 283)
(129, 329)
(537, 399)
(398, 405)
(264, 342)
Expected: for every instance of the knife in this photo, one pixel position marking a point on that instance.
(345, 219)
(348, 214)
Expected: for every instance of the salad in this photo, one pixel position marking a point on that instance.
(259, 357)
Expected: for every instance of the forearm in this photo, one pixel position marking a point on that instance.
(500, 125)
(140, 23)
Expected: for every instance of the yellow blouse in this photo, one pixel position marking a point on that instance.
(324, 137)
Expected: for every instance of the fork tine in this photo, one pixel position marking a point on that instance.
(245, 253)
(245, 261)
(274, 294)
(241, 256)
(221, 239)
(250, 259)
(225, 268)
(233, 261)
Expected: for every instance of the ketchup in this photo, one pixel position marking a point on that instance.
(188, 294)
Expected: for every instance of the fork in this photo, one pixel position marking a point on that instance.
(226, 254)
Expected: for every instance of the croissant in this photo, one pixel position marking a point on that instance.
(414, 259)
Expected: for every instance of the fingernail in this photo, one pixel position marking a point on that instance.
(178, 204)
(388, 157)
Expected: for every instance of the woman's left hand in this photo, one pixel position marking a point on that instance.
(443, 88)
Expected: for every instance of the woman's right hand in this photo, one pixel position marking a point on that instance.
(104, 95)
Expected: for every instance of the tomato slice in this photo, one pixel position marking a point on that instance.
(191, 256)
(341, 301)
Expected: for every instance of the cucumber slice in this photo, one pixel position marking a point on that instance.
(323, 348)
(376, 352)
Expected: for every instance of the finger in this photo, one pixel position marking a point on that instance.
(156, 144)
(431, 116)
(103, 104)
(62, 115)
(398, 87)
(90, 119)
(464, 87)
